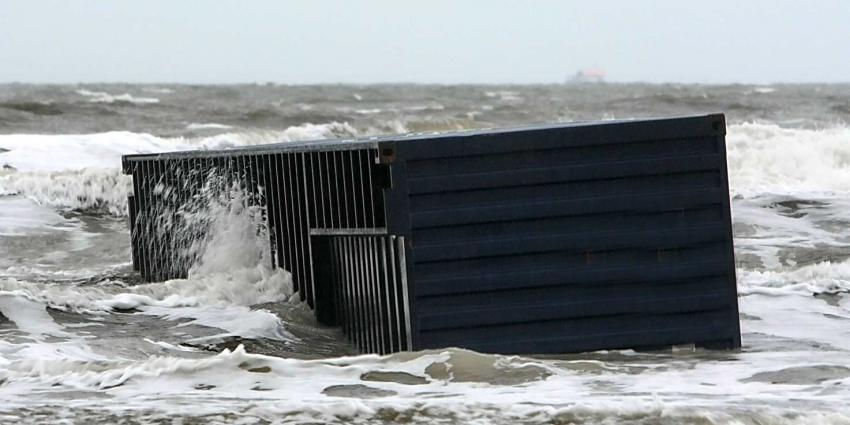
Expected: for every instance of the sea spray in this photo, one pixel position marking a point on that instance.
(220, 238)
(773, 159)
(90, 190)
(86, 176)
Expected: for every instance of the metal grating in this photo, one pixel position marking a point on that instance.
(363, 287)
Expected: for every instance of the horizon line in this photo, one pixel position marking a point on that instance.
(422, 83)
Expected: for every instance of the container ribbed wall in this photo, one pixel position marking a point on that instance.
(573, 239)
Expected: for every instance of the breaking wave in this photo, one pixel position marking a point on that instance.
(763, 158)
(769, 158)
(35, 108)
(233, 273)
(86, 175)
(104, 97)
(207, 126)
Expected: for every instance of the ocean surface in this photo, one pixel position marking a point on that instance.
(82, 340)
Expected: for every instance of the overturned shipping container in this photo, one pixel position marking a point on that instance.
(548, 239)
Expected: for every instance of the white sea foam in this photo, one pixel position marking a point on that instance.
(233, 268)
(29, 316)
(504, 95)
(67, 152)
(825, 277)
(748, 387)
(233, 273)
(790, 191)
(104, 97)
(42, 355)
(766, 158)
(160, 90)
(798, 317)
(18, 217)
(85, 189)
(239, 289)
(207, 126)
(448, 384)
(83, 171)
(215, 301)
(368, 111)
(783, 230)
(35, 152)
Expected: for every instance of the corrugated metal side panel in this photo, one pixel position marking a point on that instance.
(361, 286)
(570, 239)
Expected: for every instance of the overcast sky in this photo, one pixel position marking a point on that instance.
(429, 41)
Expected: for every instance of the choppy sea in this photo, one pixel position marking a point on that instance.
(83, 340)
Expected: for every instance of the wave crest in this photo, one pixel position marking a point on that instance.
(769, 158)
(126, 98)
(82, 172)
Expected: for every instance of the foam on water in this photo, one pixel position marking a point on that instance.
(233, 273)
(790, 212)
(39, 355)
(782, 230)
(104, 97)
(19, 217)
(36, 152)
(766, 158)
(83, 171)
(29, 316)
(455, 385)
(217, 300)
(207, 126)
(821, 278)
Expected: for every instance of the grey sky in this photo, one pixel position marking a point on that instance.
(486, 41)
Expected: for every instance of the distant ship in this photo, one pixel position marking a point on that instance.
(588, 75)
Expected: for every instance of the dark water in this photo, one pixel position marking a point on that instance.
(83, 341)
(166, 110)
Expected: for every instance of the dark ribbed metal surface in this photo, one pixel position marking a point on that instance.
(548, 239)
(296, 191)
(573, 239)
(362, 287)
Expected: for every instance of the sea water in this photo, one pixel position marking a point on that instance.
(83, 340)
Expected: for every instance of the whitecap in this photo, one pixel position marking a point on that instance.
(368, 111)
(207, 126)
(769, 158)
(82, 171)
(504, 95)
(104, 97)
